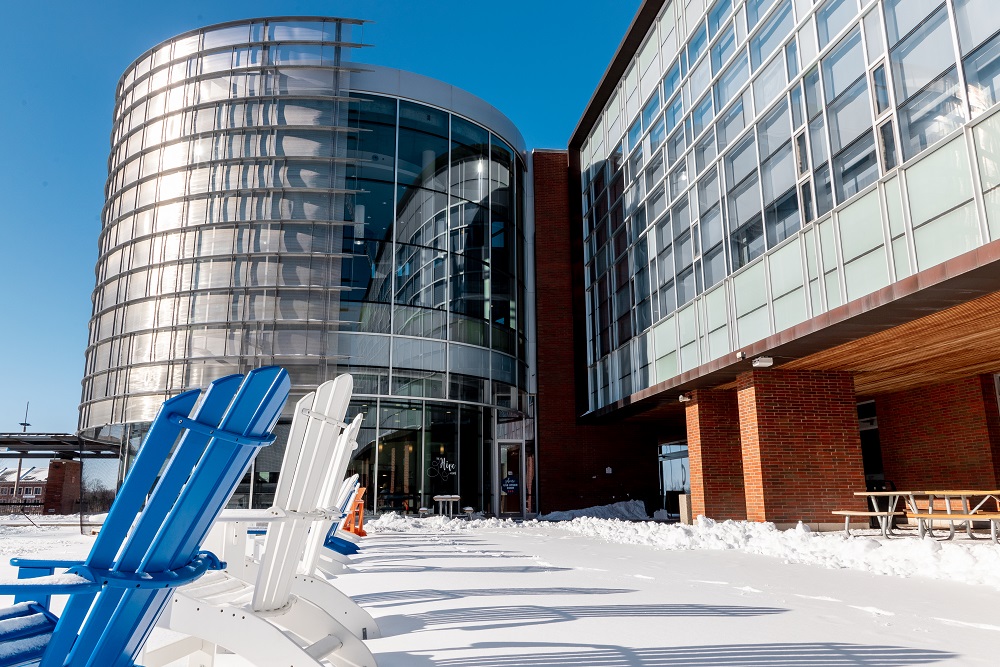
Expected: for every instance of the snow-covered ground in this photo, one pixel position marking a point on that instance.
(610, 593)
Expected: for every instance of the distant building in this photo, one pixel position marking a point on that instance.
(28, 488)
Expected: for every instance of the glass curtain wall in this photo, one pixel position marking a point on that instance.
(262, 210)
(737, 125)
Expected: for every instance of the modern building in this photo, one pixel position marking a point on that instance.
(782, 250)
(272, 201)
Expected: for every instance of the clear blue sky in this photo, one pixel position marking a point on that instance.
(538, 61)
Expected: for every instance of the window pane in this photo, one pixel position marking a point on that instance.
(982, 74)
(814, 100)
(769, 83)
(833, 17)
(844, 65)
(817, 138)
(888, 146)
(717, 14)
(849, 116)
(697, 45)
(781, 219)
(733, 121)
(771, 34)
(881, 89)
(675, 146)
(922, 56)
(873, 36)
(755, 10)
(977, 20)
(714, 265)
(705, 151)
(672, 80)
(774, 130)
(856, 168)
(902, 16)
(744, 203)
(649, 111)
(747, 243)
(930, 115)
(723, 49)
(740, 161)
(824, 190)
(731, 81)
(777, 175)
(702, 114)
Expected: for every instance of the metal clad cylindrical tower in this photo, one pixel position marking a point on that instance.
(271, 202)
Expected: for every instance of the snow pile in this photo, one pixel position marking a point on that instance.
(627, 510)
(402, 523)
(904, 557)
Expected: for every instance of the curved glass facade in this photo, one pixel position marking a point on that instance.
(762, 162)
(262, 208)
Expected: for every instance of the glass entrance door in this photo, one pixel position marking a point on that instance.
(510, 476)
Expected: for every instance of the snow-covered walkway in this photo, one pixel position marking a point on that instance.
(492, 594)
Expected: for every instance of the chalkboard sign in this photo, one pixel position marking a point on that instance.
(509, 484)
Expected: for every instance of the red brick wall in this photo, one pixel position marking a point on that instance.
(573, 457)
(942, 436)
(800, 442)
(716, 463)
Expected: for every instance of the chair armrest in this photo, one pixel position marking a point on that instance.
(53, 584)
(43, 563)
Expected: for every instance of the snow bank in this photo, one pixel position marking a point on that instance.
(399, 523)
(904, 557)
(977, 564)
(628, 510)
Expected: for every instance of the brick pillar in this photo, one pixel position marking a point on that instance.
(62, 489)
(713, 436)
(801, 448)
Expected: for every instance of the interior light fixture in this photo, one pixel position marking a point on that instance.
(763, 362)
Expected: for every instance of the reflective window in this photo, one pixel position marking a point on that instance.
(844, 65)
(902, 16)
(977, 20)
(774, 130)
(849, 115)
(697, 44)
(982, 75)
(881, 89)
(856, 168)
(930, 115)
(923, 56)
(771, 34)
(833, 17)
(723, 49)
(649, 111)
(718, 14)
(701, 116)
(769, 83)
(756, 10)
(731, 81)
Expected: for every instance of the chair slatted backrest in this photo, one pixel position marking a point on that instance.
(162, 514)
(316, 428)
(331, 500)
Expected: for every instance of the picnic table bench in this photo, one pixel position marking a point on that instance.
(905, 503)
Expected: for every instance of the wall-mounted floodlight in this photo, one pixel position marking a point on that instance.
(763, 362)
(684, 398)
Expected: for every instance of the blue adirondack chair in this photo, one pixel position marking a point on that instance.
(150, 541)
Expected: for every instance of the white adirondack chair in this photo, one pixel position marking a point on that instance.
(270, 612)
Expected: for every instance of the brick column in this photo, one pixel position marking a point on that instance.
(801, 448)
(713, 436)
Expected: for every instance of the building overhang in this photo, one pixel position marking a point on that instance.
(938, 324)
(55, 445)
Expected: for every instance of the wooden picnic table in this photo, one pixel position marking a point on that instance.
(967, 515)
